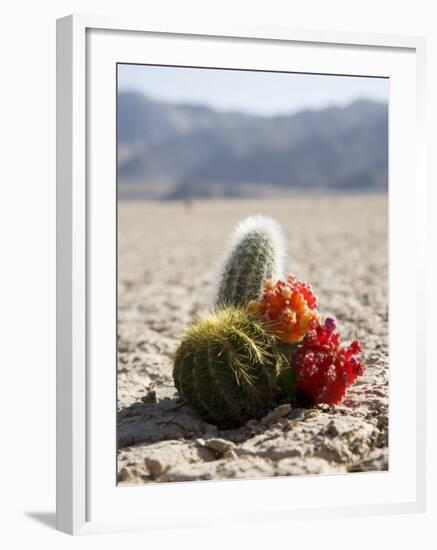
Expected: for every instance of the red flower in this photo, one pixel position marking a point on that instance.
(324, 370)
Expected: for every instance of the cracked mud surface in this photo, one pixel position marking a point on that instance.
(167, 256)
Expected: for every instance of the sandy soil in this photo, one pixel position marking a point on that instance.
(167, 254)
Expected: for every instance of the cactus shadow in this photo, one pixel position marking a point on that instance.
(150, 422)
(170, 418)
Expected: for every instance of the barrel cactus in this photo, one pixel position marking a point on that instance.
(226, 367)
(255, 255)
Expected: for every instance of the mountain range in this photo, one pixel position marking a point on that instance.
(182, 151)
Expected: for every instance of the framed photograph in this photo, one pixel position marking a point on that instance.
(240, 331)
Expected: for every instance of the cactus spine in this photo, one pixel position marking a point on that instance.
(255, 255)
(227, 366)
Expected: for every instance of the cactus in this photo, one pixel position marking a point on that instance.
(255, 255)
(227, 366)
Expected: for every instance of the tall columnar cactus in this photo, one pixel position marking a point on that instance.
(255, 254)
(227, 366)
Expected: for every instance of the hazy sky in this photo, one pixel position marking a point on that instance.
(262, 93)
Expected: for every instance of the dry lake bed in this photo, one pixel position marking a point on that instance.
(167, 257)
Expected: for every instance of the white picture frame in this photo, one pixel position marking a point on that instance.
(83, 425)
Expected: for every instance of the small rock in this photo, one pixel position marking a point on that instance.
(155, 466)
(221, 446)
(276, 414)
(221, 469)
(123, 475)
(230, 454)
(166, 454)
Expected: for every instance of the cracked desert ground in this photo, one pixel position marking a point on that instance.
(167, 256)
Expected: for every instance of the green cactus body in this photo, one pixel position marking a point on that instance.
(255, 255)
(227, 366)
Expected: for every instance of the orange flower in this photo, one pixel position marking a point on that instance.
(289, 307)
